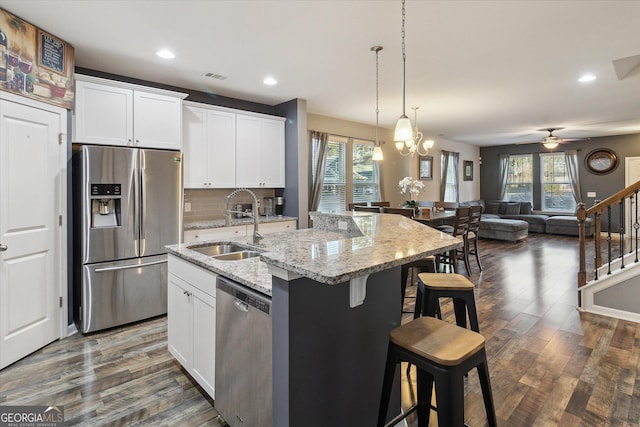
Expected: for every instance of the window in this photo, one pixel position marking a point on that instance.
(555, 183)
(449, 167)
(351, 174)
(520, 179)
(366, 186)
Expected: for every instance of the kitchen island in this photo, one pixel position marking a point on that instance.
(335, 292)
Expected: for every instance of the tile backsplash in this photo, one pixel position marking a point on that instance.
(208, 204)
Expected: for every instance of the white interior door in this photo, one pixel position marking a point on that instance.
(631, 175)
(30, 234)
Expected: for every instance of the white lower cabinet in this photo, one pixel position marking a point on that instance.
(276, 227)
(191, 314)
(221, 233)
(217, 233)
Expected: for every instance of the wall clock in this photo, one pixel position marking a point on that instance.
(601, 161)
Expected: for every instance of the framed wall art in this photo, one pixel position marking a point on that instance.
(468, 170)
(35, 63)
(426, 168)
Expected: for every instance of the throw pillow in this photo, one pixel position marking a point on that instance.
(525, 208)
(512, 209)
(492, 208)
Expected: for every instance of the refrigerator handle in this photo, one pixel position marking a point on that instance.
(143, 202)
(124, 267)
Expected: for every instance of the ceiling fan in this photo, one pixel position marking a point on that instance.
(551, 141)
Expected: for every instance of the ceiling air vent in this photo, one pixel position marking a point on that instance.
(215, 76)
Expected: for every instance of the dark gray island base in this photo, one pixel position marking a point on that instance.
(328, 358)
(336, 294)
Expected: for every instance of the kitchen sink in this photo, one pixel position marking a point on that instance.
(225, 251)
(216, 249)
(235, 256)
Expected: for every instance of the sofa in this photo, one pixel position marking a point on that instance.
(494, 225)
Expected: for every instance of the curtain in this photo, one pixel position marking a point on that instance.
(571, 163)
(378, 168)
(449, 187)
(503, 164)
(318, 143)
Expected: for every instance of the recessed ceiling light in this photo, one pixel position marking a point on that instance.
(166, 54)
(587, 78)
(270, 81)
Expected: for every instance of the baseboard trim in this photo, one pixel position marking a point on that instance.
(71, 329)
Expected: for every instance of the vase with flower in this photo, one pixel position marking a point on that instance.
(413, 187)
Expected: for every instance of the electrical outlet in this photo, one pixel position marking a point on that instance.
(342, 225)
(591, 194)
(187, 207)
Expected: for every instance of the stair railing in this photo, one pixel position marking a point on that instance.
(625, 200)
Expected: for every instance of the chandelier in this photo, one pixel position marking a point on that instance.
(414, 143)
(405, 135)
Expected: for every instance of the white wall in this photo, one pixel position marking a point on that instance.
(395, 167)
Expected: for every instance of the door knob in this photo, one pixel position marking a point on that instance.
(3, 247)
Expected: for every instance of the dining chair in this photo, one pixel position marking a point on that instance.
(379, 204)
(471, 236)
(460, 225)
(373, 209)
(445, 205)
(399, 211)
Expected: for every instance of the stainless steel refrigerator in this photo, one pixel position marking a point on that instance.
(127, 207)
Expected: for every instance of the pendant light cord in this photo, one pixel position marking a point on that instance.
(404, 60)
(377, 110)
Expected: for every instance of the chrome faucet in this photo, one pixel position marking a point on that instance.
(257, 237)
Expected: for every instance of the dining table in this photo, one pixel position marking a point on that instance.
(435, 218)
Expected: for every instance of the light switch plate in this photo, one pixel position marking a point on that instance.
(187, 207)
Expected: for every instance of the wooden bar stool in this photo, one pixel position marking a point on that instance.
(433, 286)
(442, 353)
(427, 264)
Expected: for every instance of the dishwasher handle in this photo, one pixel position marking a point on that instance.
(241, 305)
(244, 298)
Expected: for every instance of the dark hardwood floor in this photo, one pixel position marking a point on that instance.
(550, 365)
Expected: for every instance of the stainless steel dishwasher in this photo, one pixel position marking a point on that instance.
(243, 355)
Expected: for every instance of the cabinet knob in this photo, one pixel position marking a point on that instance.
(3, 247)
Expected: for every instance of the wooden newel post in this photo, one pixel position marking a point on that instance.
(581, 214)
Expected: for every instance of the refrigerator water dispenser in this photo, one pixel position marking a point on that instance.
(105, 205)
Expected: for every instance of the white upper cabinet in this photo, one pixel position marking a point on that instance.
(248, 151)
(103, 114)
(272, 153)
(209, 148)
(115, 113)
(260, 152)
(157, 120)
(195, 148)
(227, 149)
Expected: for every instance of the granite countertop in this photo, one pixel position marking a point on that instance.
(216, 223)
(341, 247)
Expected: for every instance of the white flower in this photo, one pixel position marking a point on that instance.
(411, 185)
